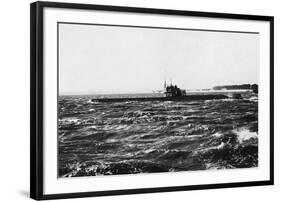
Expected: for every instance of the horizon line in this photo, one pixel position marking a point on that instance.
(158, 91)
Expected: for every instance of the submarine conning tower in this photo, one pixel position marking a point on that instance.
(173, 91)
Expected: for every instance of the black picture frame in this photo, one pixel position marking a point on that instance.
(36, 98)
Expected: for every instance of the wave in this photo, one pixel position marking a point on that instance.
(245, 134)
(69, 120)
(136, 137)
(101, 168)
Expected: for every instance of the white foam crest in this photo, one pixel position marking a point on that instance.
(195, 136)
(69, 120)
(220, 146)
(253, 99)
(245, 134)
(217, 135)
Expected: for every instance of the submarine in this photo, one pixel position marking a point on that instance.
(173, 93)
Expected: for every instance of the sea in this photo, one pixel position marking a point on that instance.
(96, 138)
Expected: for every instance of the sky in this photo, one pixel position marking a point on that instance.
(96, 59)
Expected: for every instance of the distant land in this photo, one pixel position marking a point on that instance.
(253, 87)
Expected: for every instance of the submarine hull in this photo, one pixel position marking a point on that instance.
(149, 99)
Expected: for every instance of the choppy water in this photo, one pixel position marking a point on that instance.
(144, 137)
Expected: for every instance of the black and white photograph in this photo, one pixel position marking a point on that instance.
(133, 100)
(136, 99)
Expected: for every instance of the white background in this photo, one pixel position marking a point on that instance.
(14, 84)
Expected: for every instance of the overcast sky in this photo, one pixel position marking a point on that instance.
(110, 59)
